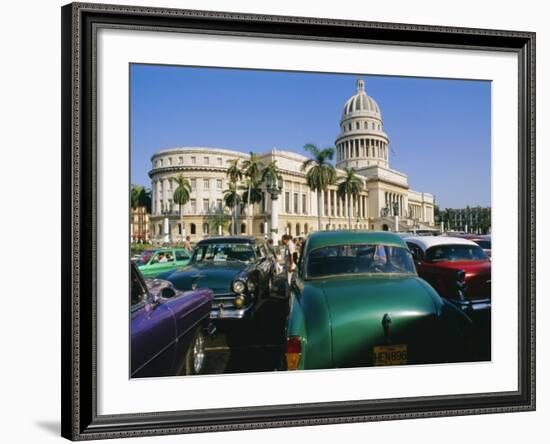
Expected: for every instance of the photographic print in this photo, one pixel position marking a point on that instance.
(284, 221)
(275, 221)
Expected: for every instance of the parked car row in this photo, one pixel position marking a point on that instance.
(356, 299)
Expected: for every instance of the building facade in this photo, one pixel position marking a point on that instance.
(469, 220)
(140, 225)
(386, 202)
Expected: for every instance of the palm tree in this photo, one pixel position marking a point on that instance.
(253, 194)
(182, 194)
(140, 197)
(270, 173)
(235, 174)
(217, 219)
(350, 186)
(252, 171)
(232, 199)
(320, 173)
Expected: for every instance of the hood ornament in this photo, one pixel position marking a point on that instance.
(386, 325)
(461, 285)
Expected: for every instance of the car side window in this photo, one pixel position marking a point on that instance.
(301, 258)
(163, 257)
(415, 251)
(181, 255)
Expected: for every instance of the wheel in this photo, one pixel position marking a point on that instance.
(195, 356)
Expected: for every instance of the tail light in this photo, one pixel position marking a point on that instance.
(293, 352)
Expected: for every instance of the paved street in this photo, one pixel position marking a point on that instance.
(251, 346)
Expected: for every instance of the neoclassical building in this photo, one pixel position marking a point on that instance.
(386, 202)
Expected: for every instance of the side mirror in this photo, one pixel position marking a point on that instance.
(167, 292)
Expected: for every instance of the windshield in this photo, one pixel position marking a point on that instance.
(223, 252)
(359, 258)
(451, 253)
(144, 257)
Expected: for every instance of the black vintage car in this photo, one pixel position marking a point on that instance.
(238, 269)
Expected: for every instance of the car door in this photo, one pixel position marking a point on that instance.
(162, 261)
(153, 333)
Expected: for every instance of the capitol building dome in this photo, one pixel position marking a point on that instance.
(362, 141)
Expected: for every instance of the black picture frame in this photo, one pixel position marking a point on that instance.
(79, 174)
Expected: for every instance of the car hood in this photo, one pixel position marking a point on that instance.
(217, 277)
(357, 306)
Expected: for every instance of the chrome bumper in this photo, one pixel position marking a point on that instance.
(221, 312)
(474, 305)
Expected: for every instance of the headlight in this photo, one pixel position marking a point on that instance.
(238, 287)
(239, 301)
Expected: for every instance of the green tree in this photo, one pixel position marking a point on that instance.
(320, 173)
(252, 169)
(182, 194)
(217, 219)
(234, 172)
(232, 200)
(252, 194)
(140, 197)
(270, 173)
(351, 186)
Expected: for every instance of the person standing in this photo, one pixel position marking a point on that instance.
(187, 244)
(290, 264)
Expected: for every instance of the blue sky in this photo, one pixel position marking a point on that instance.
(439, 129)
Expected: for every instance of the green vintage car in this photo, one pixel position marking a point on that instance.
(153, 262)
(357, 301)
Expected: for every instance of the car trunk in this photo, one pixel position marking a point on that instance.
(357, 308)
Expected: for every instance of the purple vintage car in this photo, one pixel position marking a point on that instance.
(168, 328)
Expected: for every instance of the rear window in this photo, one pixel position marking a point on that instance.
(359, 258)
(453, 253)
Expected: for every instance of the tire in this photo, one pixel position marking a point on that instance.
(195, 355)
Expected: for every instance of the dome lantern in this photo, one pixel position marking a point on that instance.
(362, 141)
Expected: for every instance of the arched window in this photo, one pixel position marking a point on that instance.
(289, 229)
(306, 228)
(385, 227)
(243, 228)
(193, 229)
(205, 228)
(298, 231)
(179, 229)
(261, 228)
(327, 227)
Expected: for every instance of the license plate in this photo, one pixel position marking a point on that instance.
(390, 354)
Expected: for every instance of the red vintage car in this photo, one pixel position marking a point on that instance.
(483, 240)
(460, 271)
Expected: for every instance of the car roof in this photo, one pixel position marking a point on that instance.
(426, 242)
(320, 239)
(229, 240)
